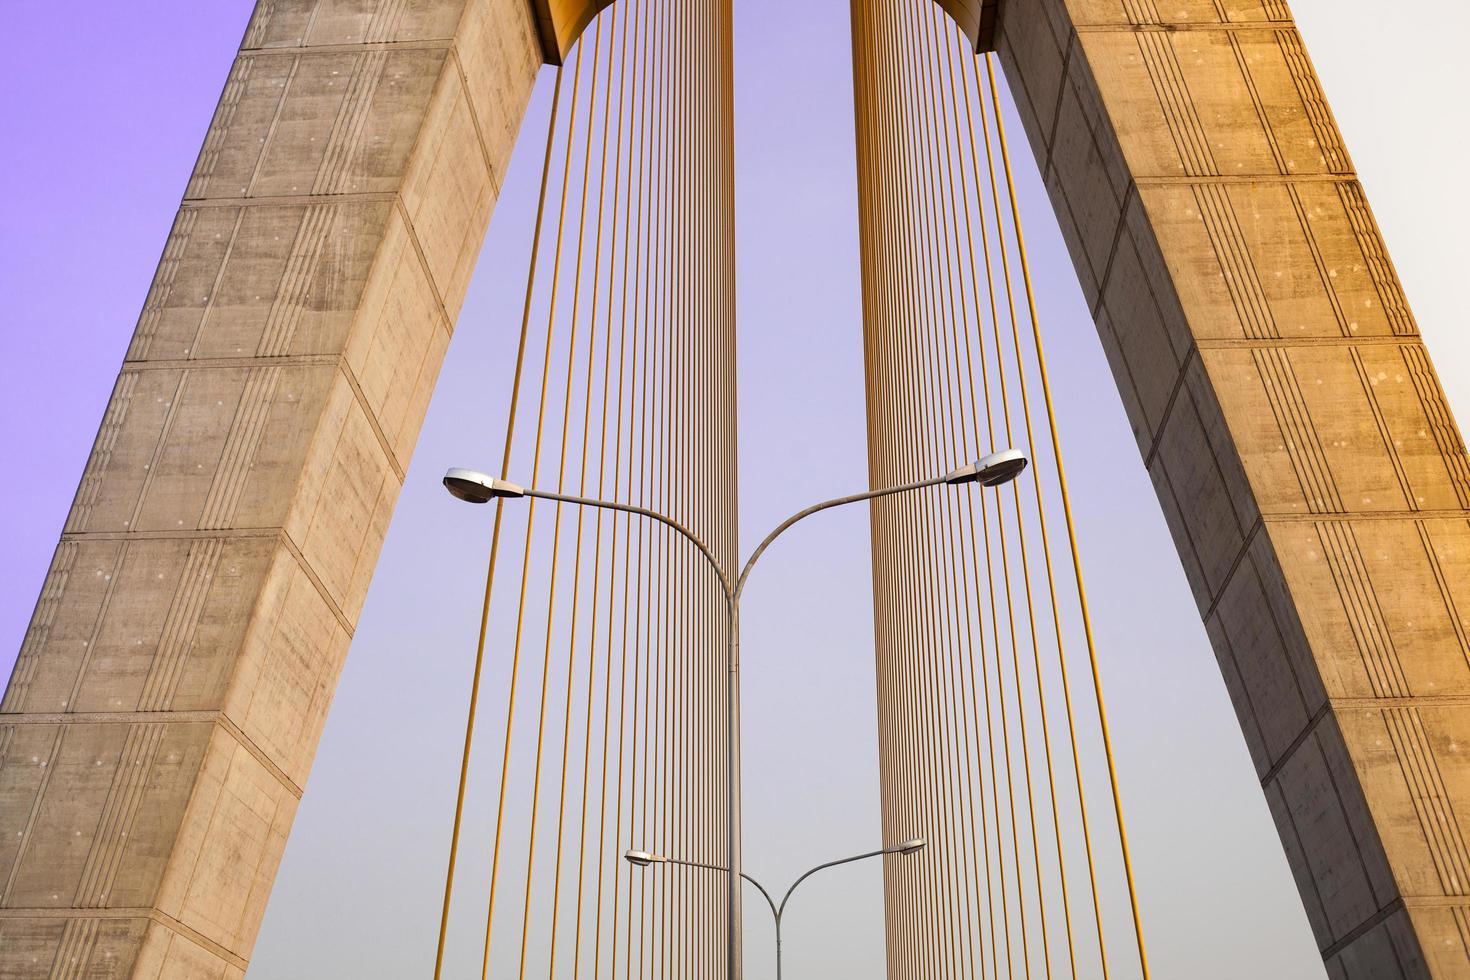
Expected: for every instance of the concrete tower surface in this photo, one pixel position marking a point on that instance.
(1300, 443)
(168, 698)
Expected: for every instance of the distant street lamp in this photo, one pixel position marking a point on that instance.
(642, 859)
(479, 488)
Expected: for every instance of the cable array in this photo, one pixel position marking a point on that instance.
(983, 636)
(600, 671)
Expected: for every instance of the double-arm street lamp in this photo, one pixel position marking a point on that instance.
(643, 859)
(479, 488)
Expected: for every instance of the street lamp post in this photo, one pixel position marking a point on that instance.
(479, 488)
(642, 859)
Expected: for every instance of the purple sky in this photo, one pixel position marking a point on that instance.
(103, 116)
(104, 108)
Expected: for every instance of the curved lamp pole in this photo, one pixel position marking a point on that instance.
(642, 859)
(475, 487)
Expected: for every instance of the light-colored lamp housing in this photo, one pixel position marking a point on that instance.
(910, 846)
(641, 859)
(475, 487)
(990, 471)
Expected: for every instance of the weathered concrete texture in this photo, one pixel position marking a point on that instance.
(1301, 446)
(167, 702)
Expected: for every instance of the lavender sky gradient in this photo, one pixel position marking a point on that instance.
(104, 106)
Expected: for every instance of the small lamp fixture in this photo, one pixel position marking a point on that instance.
(641, 859)
(475, 487)
(911, 846)
(990, 471)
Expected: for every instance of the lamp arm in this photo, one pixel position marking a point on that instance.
(704, 549)
(830, 864)
(764, 894)
(723, 870)
(817, 508)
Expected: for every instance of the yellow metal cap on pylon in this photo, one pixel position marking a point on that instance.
(561, 22)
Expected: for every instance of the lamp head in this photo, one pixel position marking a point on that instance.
(990, 471)
(641, 859)
(912, 846)
(475, 487)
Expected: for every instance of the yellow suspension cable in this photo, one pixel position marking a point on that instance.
(1071, 531)
(1020, 523)
(587, 399)
(558, 509)
(612, 281)
(469, 734)
(1005, 564)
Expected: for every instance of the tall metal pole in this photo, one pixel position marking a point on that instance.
(735, 947)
